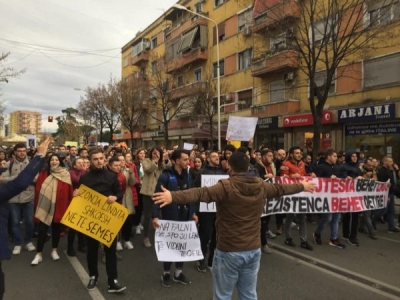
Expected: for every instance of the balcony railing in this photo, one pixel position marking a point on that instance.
(271, 17)
(188, 90)
(281, 61)
(140, 58)
(276, 108)
(186, 59)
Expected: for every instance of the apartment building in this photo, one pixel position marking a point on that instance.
(262, 73)
(24, 122)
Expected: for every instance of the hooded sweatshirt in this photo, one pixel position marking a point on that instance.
(240, 201)
(349, 169)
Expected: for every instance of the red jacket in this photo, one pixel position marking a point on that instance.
(290, 167)
(63, 196)
(133, 188)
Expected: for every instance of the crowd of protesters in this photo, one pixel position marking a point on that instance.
(132, 176)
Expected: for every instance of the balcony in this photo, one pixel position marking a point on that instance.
(282, 61)
(140, 58)
(270, 18)
(188, 90)
(287, 106)
(195, 55)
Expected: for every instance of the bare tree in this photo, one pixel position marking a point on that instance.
(326, 35)
(8, 72)
(134, 96)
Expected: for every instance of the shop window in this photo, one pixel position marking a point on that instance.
(382, 71)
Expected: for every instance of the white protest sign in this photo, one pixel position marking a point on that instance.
(31, 141)
(241, 128)
(177, 241)
(188, 146)
(210, 180)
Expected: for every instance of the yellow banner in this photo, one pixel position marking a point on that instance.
(237, 144)
(90, 214)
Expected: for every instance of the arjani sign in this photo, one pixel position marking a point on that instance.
(367, 113)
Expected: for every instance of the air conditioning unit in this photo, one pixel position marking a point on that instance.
(247, 30)
(288, 76)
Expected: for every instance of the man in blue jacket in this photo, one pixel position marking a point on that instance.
(9, 190)
(176, 178)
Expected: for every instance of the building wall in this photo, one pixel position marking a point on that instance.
(24, 122)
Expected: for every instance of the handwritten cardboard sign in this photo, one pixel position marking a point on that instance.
(177, 241)
(241, 128)
(90, 214)
(210, 180)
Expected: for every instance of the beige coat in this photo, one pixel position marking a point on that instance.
(150, 177)
(127, 199)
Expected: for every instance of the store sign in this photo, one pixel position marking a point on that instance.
(306, 119)
(385, 128)
(267, 123)
(367, 113)
(149, 134)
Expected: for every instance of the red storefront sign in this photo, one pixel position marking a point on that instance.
(306, 119)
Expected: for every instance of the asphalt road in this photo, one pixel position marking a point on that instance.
(370, 271)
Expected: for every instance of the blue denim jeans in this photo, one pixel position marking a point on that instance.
(389, 210)
(326, 218)
(238, 269)
(24, 210)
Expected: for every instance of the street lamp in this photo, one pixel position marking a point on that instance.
(218, 70)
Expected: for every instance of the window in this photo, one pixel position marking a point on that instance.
(381, 14)
(140, 46)
(320, 81)
(187, 40)
(277, 91)
(171, 49)
(154, 67)
(244, 59)
(153, 42)
(322, 30)
(167, 33)
(219, 2)
(198, 7)
(125, 61)
(197, 75)
(221, 33)
(181, 80)
(278, 43)
(221, 68)
(246, 98)
(245, 18)
(382, 71)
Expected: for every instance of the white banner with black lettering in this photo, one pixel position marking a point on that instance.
(210, 180)
(177, 241)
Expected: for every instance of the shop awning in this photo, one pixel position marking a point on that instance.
(204, 133)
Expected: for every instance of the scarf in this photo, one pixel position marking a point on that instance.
(47, 195)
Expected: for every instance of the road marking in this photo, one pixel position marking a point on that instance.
(84, 276)
(365, 282)
(387, 239)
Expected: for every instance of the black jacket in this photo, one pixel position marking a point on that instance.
(326, 170)
(349, 168)
(384, 174)
(102, 181)
(207, 170)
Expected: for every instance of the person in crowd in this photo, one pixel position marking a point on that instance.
(10, 189)
(350, 170)
(228, 151)
(152, 168)
(76, 172)
(280, 157)
(240, 201)
(72, 155)
(308, 163)
(83, 152)
(105, 182)
(175, 178)
(341, 157)
(54, 197)
(246, 151)
(388, 171)
(86, 163)
(328, 169)
(192, 157)
(207, 231)
(257, 154)
(137, 217)
(22, 205)
(294, 167)
(267, 171)
(365, 225)
(195, 170)
(3, 155)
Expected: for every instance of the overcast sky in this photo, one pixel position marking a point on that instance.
(51, 38)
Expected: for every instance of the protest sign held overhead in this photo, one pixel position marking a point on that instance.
(241, 128)
(90, 214)
(210, 180)
(177, 241)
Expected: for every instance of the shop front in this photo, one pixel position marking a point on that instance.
(373, 130)
(134, 141)
(152, 138)
(268, 134)
(299, 131)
